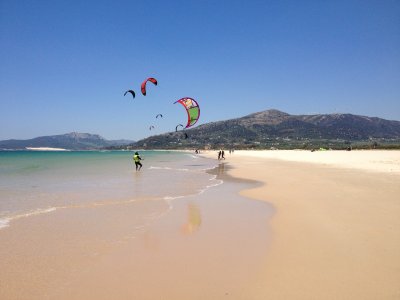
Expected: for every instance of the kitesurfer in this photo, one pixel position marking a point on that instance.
(137, 159)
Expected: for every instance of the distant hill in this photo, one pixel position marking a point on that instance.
(273, 128)
(71, 141)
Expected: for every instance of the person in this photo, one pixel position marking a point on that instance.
(137, 159)
(222, 154)
(219, 154)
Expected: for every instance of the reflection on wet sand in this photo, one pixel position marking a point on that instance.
(193, 219)
(221, 169)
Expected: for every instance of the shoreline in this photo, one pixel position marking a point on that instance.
(367, 160)
(45, 149)
(104, 252)
(336, 231)
(275, 229)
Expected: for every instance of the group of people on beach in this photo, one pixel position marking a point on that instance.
(138, 164)
(221, 154)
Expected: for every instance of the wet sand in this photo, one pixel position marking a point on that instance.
(336, 231)
(207, 246)
(333, 233)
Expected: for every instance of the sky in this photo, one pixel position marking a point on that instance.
(65, 65)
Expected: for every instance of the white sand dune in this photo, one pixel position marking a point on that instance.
(370, 160)
(45, 149)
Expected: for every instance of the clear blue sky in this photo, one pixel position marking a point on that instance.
(65, 65)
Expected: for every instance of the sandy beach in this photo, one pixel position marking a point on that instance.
(336, 231)
(193, 244)
(283, 225)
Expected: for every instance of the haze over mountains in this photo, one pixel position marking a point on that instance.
(270, 128)
(70, 141)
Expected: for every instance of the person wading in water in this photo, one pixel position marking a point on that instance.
(137, 159)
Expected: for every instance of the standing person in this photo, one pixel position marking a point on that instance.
(219, 154)
(137, 159)
(222, 154)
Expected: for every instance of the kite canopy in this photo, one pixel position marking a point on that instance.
(143, 87)
(151, 127)
(130, 91)
(192, 109)
(159, 115)
(176, 128)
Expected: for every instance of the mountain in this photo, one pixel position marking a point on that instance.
(71, 141)
(273, 128)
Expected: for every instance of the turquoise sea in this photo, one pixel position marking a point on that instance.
(41, 182)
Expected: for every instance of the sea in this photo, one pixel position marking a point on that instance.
(41, 182)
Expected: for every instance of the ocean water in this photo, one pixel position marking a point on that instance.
(41, 182)
(86, 225)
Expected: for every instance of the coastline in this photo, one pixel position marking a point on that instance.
(45, 149)
(336, 231)
(197, 246)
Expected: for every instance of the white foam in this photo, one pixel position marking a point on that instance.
(199, 192)
(213, 177)
(209, 168)
(166, 168)
(173, 197)
(216, 184)
(5, 222)
(35, 212)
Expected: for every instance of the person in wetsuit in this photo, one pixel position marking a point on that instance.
(137, 159)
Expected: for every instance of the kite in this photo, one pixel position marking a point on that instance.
(151, 127)
(143, 87)
(176, 128)
(130, 91)
(192, 109)
(159, 115)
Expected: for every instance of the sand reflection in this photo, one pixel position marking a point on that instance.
(221, 169)
(193, 219)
